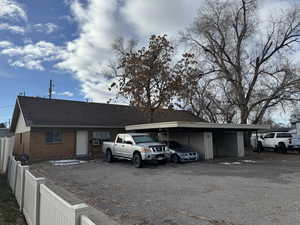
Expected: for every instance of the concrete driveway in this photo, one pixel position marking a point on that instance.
(258, 190)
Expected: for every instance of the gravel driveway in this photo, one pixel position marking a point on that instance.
(260, 190)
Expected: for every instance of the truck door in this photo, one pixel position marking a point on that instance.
(128, 146)
(268, 140)
(119, 145)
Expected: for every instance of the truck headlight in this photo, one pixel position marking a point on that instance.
(146, 150)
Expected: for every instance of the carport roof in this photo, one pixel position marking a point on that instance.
(195, 125)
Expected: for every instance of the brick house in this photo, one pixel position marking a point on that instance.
(56, 129)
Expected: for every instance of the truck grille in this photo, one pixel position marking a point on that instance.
(158, 148)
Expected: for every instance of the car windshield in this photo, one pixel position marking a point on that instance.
(142, 139)
(174, 144)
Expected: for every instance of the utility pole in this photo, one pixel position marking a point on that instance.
(51, 89)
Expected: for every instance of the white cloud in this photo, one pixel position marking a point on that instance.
(101, 22)
(28, 64)
(88, 55)
(5, 44)
(12, 28)
(66, 93)
(11, 9)
(47, 28)
(156, 16)
(32, 56)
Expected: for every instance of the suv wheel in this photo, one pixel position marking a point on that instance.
(282, 148)
(109, 156)
(137, 160)
(175, 158)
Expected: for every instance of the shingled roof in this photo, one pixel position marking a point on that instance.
(42, 112)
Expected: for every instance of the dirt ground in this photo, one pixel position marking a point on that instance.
(259, 189)
(9, 210)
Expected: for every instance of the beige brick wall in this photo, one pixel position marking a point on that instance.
(40, 149)
(34, 144)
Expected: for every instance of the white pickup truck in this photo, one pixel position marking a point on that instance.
(279, 141)
(137, 147)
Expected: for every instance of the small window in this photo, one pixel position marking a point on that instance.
(54, 136)
(270, 135)
(284, 135)
(119, 140)
(102, 135)
(96, 142)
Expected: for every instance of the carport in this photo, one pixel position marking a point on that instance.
(211, 140)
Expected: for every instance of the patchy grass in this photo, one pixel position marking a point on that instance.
(9, 210)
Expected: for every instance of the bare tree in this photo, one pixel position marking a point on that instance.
(252, 65)
(147, 76)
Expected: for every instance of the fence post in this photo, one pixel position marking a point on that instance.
(79, 210)
(38, 199)
(84, 220)
(17, 163)
(25, 168)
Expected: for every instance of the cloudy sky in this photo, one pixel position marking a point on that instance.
(69, 41)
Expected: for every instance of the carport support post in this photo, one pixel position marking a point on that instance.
(240, 143)
(256, 143)
(208, 145)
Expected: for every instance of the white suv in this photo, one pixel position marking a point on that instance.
(279, 141)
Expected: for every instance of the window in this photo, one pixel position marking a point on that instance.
(102, 135)
(119, 140)
(143, 139)
(269, 135)
(174, 144)
(284, 135)
(54, 136)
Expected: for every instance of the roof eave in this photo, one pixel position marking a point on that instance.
(197, 125)
(76, 126)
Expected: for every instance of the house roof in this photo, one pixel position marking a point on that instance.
(194, 125)
(41, 112)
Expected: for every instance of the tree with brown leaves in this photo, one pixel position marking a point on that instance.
(148, 77)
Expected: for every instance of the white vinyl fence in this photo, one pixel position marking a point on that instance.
(20, 184)
(6, 150)
(39, 204)
(86, 221)
(31, 198)
(56, 211)
(12, 178)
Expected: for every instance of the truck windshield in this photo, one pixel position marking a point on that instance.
(142, 139)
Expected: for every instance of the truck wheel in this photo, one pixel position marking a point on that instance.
(282, 148)
(175, 158)
(137, 160)
(108, 156)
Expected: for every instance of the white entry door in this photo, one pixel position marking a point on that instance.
(82, 141)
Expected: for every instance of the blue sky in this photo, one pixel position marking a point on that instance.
(69, 41)
(44, 21)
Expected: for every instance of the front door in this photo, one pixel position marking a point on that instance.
(82, 141)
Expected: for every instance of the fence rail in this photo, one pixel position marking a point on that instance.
(39, 204)
(61, 213)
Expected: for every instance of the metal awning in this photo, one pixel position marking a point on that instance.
(196, 125)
